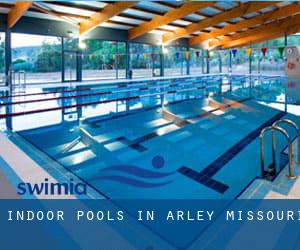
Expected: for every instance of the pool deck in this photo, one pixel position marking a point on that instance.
(280, 188)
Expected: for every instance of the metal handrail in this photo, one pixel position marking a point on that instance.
(262, 149)
(294, 125)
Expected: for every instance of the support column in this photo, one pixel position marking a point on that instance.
(127, 59)
(8, 74)
(230, 61)
(117, 60)
(79, 66)
(8, 64)
(62, 61)
(220, 63)
(250, 62)
(188, 61)
(207, 62)
(162, 61)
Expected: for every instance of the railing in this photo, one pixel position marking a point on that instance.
(294, 125)
(272, 167)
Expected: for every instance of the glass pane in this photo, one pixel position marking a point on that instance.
(196, 62)
(2, 58)
(175, 62)
(36, 59)
(293, 40)
(240, 63)
(141, 60)
(225, 60)
(99, 60)
(121, 59)
(214, 62)
(70, 59)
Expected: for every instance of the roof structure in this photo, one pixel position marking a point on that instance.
(211, 24)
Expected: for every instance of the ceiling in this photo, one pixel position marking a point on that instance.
(211, 24)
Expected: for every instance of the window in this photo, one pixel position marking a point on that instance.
(140, 60)
(35, 59)
(2, 58)
(99, 60)
(144, 60)
(225, 61)
(273, 63)
(293, 40)
(240, 63)
(175, 61)
(214, 62)
(121, 60)
(196, 62)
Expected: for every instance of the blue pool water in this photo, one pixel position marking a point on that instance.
(184, 138)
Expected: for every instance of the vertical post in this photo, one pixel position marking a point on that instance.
(250, 64)
(152, 58)
(8, 64)
(220, 63)
(181, 61)
(262, 154)
(207, 62)
(79, 65)
(127, 59)
(291, 163)
(298, 152)
(8, 73)
(62, 60)
(117, 60)
(285, 45)
(202, 62)
(230, 62)
(188, 61)
(162, 61)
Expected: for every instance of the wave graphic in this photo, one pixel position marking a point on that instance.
(131, 182)
(140, 172)
(116, 173)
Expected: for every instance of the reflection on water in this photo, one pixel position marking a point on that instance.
(71, 104)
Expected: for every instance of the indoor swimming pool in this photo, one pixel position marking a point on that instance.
(177, 138)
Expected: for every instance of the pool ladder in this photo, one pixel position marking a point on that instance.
(271, 171)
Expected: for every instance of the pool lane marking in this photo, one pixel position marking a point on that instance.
(46, 93)
(205, 176)
(67, 107)
(167, 115)
(95, 94)
(92, 103)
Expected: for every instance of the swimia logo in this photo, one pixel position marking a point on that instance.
(48, 188)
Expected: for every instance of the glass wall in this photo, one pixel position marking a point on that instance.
(175, 61)
(272, 63)
(99, 60)
(214, 61)
(38, 59)
(293, 39)
(121, 60)
(2, 58)
(240, 62)
(196, 61)
(225, 61)
(140, 60)
(35, 59)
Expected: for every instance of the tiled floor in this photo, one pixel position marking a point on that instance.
(280, 188)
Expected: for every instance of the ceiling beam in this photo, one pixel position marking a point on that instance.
(17, 12)
(58, 15)
(218, 18)
(107, 12)
(289, 10)
(287, 25)
(170, 16)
